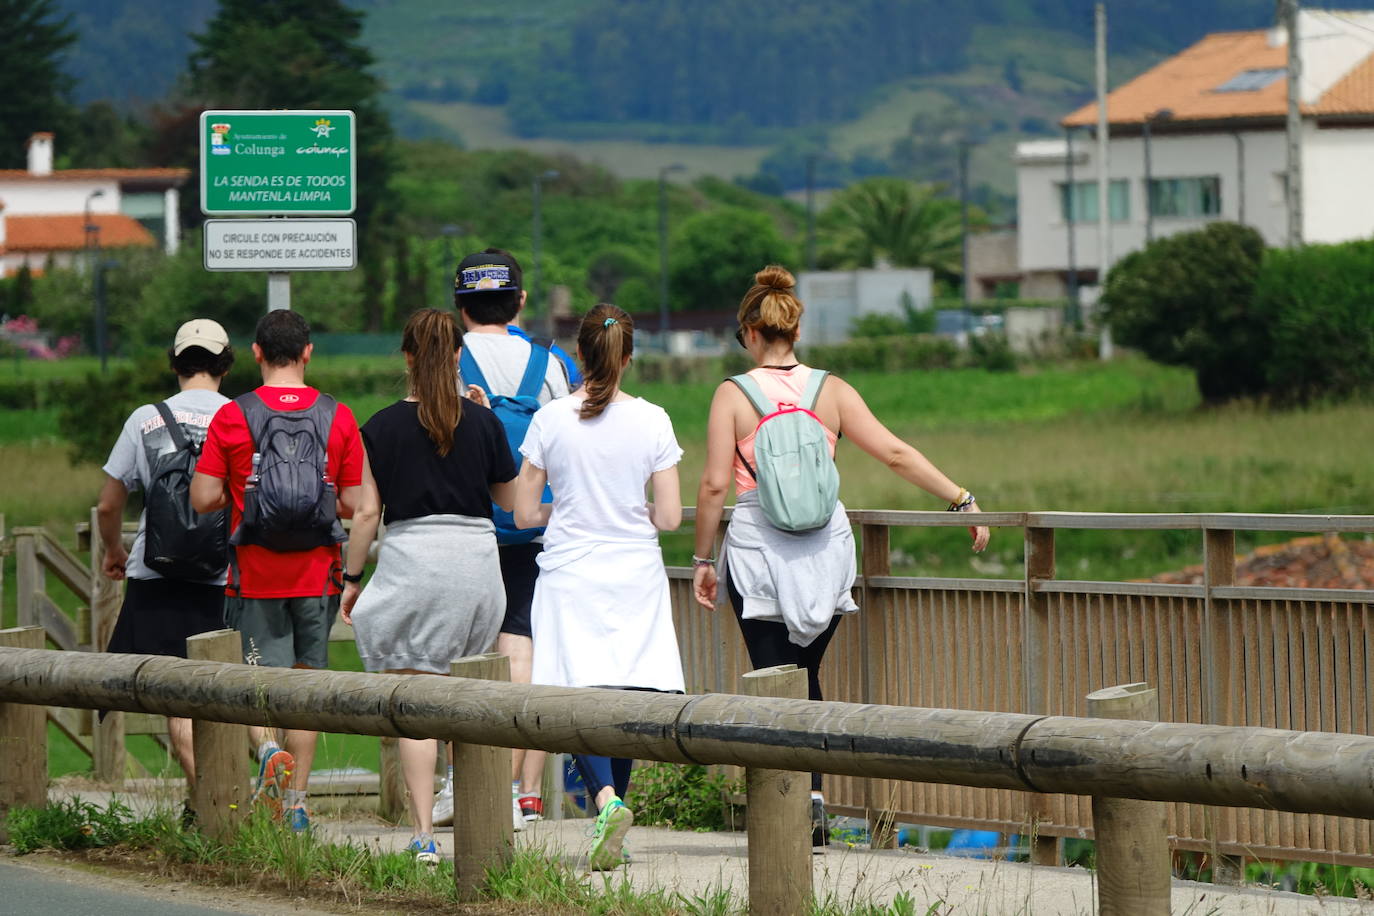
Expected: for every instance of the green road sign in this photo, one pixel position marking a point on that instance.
(277, 163)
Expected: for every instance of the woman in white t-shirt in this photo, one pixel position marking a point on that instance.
(601, 614)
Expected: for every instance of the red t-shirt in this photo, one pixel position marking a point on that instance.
(228, 455)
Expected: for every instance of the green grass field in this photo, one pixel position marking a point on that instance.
(1124, 437)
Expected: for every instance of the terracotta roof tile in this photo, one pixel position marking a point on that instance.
(1353, 94)
(1186, 84)
(174, 176)
(67, 232)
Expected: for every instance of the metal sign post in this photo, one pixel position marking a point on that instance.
(279, 163)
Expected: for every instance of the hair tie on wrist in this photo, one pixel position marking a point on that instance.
(608, 322)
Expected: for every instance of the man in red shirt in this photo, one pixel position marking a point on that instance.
(284, 600)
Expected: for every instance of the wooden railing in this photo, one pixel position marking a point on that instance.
(1218, 653)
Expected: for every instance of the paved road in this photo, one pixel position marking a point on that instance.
(50, 892)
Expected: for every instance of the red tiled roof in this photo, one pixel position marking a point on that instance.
(67, 232)
(1186, 85)
(173, 176)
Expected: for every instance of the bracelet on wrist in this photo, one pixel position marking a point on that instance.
(702, 561)
(352, 578)
(964, 500)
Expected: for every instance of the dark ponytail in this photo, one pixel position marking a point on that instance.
(431, 338)
(606, 339)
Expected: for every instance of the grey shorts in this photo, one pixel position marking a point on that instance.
(283, 632)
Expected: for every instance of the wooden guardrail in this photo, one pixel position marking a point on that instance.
(1280, 771)
(1038, 644)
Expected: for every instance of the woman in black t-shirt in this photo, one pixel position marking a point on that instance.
(435, 463)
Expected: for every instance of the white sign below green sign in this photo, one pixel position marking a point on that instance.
(278, 163)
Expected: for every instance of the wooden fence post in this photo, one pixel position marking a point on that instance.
(1219, 568)
(391, 789)
(483, 832)
(107, 736)
(219, 793)
(28, 577)
(778, 814)
(1133, 876)
(875, 560)
(1045, 850)
(23, 742)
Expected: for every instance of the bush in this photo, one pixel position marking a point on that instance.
(886, 354)
(1187, 300)
(684, 797)
(1318, 302)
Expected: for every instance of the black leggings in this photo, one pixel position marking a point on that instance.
(768, 645)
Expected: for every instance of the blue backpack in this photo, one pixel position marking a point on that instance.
(515, 412)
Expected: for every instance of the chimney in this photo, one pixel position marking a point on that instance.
(40, 154)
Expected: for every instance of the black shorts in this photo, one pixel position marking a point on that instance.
(159, 614)
(519, 569)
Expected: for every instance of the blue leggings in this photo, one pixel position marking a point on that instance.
(599, 772)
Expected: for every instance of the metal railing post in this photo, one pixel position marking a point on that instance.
(23, 742)
(778, 813)
(1132, 836)
(219, 791)
(483, 832)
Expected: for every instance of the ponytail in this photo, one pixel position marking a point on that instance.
(606, 339)
(431, 338)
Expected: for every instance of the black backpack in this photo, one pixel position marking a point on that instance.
(289, 502)
(178, 542)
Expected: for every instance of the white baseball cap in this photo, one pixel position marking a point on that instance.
(200, 332)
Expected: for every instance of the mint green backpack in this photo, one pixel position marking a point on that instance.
(798, 484)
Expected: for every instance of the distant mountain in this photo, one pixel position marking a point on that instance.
(131, 51)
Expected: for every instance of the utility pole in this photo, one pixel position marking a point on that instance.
(1104, 232)
(963, 230)
(1071, 218)
(1294, 125)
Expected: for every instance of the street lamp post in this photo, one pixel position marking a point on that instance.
(1162, 114)
(96, 271)
(537, 237)
(663, 248)
(965, 287)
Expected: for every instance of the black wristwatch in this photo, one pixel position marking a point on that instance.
(347, 578)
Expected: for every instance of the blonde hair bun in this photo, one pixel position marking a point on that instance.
(777, 277)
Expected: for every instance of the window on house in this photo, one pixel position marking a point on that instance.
(1079, 204)
(1186, 197)
(1250, 80)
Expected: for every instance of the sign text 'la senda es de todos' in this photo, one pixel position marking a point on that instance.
(278, 163)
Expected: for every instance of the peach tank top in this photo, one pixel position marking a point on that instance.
(782, 386)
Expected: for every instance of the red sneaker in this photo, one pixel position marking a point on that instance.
(531, 807)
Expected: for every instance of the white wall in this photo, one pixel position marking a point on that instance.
(1042, 235)
(1338, 184)
(834, 298)
(34, 196)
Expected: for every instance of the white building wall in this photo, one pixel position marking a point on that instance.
(1338, 184)
(33, 197)
(1043, 234)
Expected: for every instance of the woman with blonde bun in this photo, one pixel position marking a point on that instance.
(790, 588)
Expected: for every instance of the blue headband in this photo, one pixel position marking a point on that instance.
(608, 322)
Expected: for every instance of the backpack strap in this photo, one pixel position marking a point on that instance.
(755, 394)
(173, 427)
(812, 393)
(535, 370)
(254, 410)
(324, 409)
(468, 369)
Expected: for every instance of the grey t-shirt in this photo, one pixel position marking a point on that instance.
(144, 437)
(503, 358)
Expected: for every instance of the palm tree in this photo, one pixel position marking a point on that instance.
(894, 222)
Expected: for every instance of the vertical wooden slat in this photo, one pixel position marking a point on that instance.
(1037, 659)
(28, 579)
(24, 740)
(219, 793)
(483, 835)
(875, 560)
(778, 811)
(107, 740)
(1219, 568)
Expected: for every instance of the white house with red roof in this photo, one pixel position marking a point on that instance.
(55, 215)
(1218, 149)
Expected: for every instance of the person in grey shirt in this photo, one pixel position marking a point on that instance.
(159, 613)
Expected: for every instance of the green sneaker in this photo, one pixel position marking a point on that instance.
(608, 836)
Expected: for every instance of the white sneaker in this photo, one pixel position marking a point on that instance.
(443, 805)
(518, 818)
